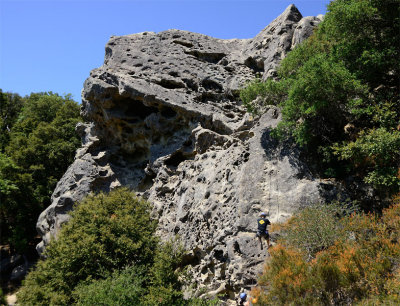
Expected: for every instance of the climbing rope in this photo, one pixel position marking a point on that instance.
(269, 193)
(277, 195)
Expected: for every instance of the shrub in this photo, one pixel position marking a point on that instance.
(360, 267)
(345, 74)
(125, 287)
(105, 233)
(316, 227)
(270, 91)
(108, 254)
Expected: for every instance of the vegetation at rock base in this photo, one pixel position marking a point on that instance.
(360, 265)
(37, 144)
(339, 92)
(2, 298)
(108, 254)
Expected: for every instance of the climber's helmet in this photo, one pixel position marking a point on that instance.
(263, 214)
(243, 296)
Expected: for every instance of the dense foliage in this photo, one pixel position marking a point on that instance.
(358, 264)
(37, 144)
(317, 226)
(107, 254)
(339, 92)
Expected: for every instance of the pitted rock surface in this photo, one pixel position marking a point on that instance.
(164, 117)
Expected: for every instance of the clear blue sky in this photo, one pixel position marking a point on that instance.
(51, 45)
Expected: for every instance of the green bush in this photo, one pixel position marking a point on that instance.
(270, 91)
(316, 227)
(340, 90)
(108, 254)
(359, 267)
(106, 233)
(376, 153)
(125, 287)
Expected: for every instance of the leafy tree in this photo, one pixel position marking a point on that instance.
(106, 254)
(10, 107)
(40, 146)
(339, 91)
(106, 233)
(377, 153)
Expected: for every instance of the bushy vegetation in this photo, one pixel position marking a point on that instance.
(37, 144)
(358, 264)
(317, 227)
(339, 92)
(107, 254)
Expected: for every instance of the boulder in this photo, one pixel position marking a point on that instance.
(164, 117)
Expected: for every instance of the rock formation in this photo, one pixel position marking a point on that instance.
(164, 117)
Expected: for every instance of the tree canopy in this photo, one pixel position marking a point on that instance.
(339, 93)
(108, 254)
(37, 144)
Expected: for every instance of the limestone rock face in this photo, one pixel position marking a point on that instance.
(164, 118)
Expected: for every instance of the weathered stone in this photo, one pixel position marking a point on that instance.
(19, 272)
(165, 119)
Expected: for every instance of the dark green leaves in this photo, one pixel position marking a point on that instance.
(340, 93)
(38, 144)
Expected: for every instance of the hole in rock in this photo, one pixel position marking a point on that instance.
(208, 96)
(183, 43)
(236, 247)
(191, 84)
(219, 255)
(211, 57)
(135, 108)
(108, 51)
(171, 84)
(168, 112)
(173, 73)
(175, 159)
(256, 65)
(211, 85)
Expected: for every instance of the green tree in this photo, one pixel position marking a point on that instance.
(10, 108)
(339, 91)
(105, 233)
(40, 146)
(106, 254)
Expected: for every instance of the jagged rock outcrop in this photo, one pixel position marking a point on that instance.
(164, 117)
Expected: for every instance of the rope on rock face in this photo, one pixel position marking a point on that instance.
(269, 194)
(277, 196)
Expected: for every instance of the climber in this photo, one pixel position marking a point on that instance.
(262, 231)
(243, 298)
(246, 300)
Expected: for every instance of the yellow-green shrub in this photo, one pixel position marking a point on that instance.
(362, 267)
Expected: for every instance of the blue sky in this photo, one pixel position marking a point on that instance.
(51, 45)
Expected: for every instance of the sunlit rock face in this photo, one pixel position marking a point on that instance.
(164, 117)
